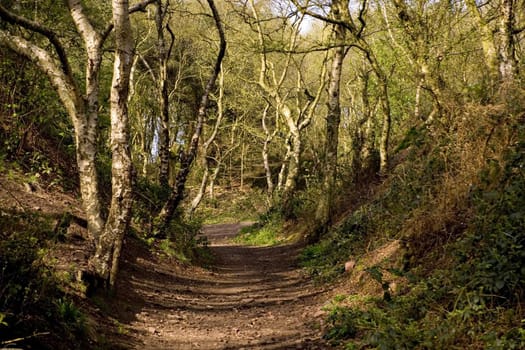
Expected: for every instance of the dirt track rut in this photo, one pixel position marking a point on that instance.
(252, 298)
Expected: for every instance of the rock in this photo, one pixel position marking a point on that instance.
(393, 288)
(349, 265)
(152, 330)
(30, 187)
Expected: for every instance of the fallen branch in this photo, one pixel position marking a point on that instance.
(13, 341)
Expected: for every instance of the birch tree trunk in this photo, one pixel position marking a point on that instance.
(508, 64)
(82, 110)
(108, 248)
(266, 162)
(87, 136)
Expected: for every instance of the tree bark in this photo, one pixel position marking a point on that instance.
(87, 137)
(324, 212)
(508, 64)
(266, 162)
(83, 111)
(105, 260)
(163, 56)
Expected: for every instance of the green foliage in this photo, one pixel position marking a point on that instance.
(149, 198)
(325, 260)
(30, 295)
(235, 207)
(70, 314)
(259, 236)
(34, 128)
(265, 232)
(185, 242)
(492, 254)
(470, 297)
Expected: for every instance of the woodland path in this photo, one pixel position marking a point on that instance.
(251, 298)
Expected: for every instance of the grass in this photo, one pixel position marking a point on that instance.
(265, 236)
(260, 235)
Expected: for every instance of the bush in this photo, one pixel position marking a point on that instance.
(183, 241)
(492, 254)
(469, 298)
(325, 260)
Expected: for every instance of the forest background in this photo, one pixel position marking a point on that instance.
(348, 125)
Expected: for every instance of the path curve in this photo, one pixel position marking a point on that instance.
(252, 298)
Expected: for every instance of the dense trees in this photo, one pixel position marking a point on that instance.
(311, 95)
(312, 103)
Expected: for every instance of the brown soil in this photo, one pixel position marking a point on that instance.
(252, 298)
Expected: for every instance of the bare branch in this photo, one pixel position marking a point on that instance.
(39, 28)
(349, 26)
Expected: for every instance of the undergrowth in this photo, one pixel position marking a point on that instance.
(460, 214)
(231, 207)
(34, 310)
(184, 241)
(265, 232)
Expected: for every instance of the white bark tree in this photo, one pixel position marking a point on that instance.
(296, 113)
(82, 107)
(109, 246)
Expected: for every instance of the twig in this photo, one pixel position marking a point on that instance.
(12, 341)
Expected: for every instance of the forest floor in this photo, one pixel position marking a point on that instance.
(247, 298)
(251, 298)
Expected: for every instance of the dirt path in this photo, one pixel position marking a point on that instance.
(253, 298)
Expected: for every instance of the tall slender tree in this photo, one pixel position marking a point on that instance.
(187, 157)
(105, 261)
(338, 12)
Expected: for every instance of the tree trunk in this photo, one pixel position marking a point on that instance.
(82, 111)
(163, 52)
(87, 137)
(108, 247)
(177, 194)
(324, 210)
(508, 64)
(202, 189)
(284, 165)
(290, 185)
(385, 130)
(211, 191)
(268, 138)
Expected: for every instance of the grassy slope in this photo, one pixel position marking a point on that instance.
(435, 259)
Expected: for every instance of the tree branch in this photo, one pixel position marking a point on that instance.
(138, 7)
(38, 28)
(349, 26)
(63, 83)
